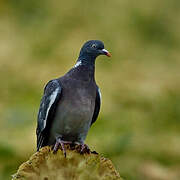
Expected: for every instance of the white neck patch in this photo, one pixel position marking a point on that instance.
(78, 64)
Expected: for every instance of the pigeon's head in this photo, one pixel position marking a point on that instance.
(93, 48)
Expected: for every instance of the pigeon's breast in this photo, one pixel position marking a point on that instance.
(75, 110)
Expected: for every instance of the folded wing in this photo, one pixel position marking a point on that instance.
(52, 94)
(97, 105)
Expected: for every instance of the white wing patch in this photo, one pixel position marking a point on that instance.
(78, 64)
(52, 99)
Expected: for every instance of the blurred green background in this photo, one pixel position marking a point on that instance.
(139, 124)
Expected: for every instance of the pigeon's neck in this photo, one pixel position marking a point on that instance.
(84, 62)
(86, 59)
(83, 70)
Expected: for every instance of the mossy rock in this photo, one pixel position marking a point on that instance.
(45, 165)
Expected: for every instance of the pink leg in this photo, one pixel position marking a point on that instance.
(58, 143)
(84, 148)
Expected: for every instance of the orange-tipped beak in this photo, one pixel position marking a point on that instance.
(107, 53)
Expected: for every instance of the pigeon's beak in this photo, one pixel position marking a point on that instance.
(107, 53)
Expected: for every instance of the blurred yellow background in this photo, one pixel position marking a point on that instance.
(139, 123)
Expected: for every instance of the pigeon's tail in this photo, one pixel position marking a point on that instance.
(40, 140)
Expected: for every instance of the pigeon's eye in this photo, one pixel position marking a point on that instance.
(94, 46)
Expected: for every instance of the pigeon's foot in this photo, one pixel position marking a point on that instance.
(61, 143)
(84, 149)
